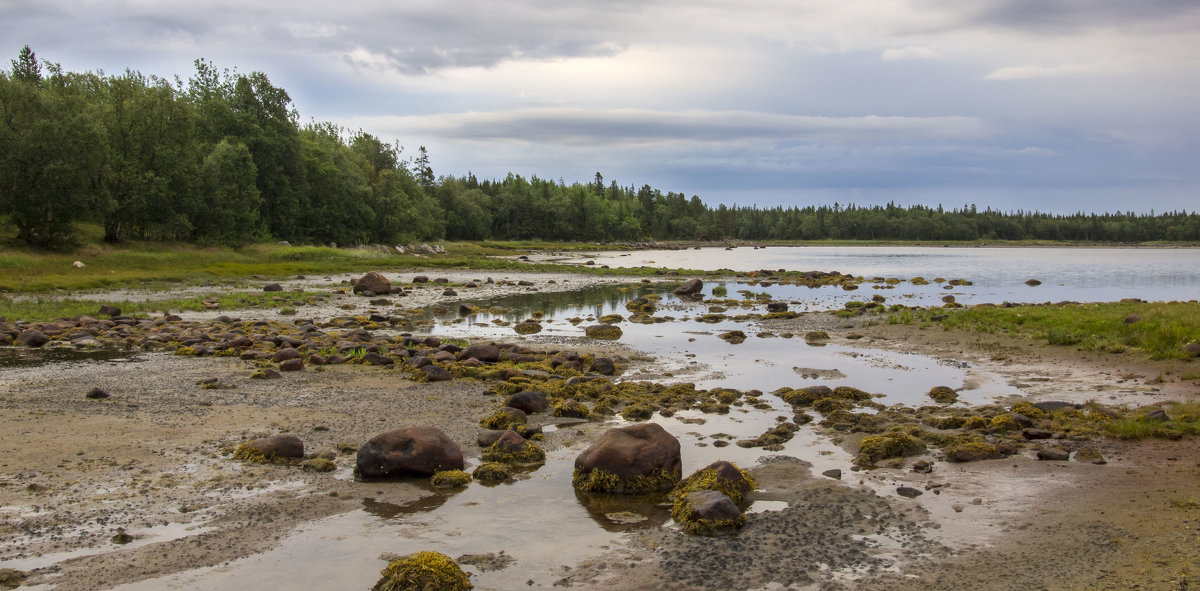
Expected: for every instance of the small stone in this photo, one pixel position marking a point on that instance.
(97, 394)
(908, 492)
(835, 473)
(923, 467)
(1053, 454)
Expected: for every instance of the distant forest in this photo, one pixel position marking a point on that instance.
(222, 158)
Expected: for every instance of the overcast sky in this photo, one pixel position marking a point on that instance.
(1049, 105)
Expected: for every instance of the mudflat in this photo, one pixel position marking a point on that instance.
(100, 493)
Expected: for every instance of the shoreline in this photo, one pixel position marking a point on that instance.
(150, 460)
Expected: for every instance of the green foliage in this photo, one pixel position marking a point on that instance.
(1161, 331)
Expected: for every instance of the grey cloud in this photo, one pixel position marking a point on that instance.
(634, 126)
(1068, 16)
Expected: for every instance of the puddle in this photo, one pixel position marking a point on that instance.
(141, 537)
(25, 357)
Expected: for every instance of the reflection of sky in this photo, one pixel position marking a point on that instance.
(693, 351)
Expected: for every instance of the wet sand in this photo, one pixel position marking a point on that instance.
(151, 460)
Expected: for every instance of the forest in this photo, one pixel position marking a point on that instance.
(223, 159)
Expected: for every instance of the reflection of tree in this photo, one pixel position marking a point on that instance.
(385, 510)
(606, 299)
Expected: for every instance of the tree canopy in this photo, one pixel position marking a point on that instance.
(223, 159)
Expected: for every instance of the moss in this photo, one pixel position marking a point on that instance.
(849, 393)
(637, 412)
(571, 409)
(318, 465)
(491, 472)
(527, 453)
(527, 327)
(888, 445)
(1003, 422)
(681, 512)
(248, 453)
(611, 319)
(975, 423)
(774, 437)
(709, 479)
(1029, 410)
(816, 335)
(971, 451)
(423, 571)
(600, 480)
(943, 395)
(603, 331)
(190, 351)
(448, 479)
(500, 421)
(828, 405)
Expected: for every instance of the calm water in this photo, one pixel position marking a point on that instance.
(997, 274)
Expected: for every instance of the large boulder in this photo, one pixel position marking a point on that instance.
(414, 451)
(528, 401)
(484, 353)
(690, 287)
(640, 458)
(373, 282)
(32, 337)
(271, 449)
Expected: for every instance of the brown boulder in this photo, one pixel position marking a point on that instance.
(690, 287)
(528, 401)
(33, 337)
(278, 446)
(373, 282)
(415, 451)
(484, 353)
(644, 453)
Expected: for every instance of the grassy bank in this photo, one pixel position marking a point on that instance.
(1158, 329)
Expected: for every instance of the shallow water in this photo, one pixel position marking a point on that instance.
(998, 274)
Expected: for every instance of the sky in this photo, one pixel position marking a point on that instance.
(1047, 105)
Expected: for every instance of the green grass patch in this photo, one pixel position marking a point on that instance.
(1162, 329)
(42, 309)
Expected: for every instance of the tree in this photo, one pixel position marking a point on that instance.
(50, 144)
(228, 213)
(26, 67)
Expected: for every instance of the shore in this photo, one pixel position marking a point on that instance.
(152, 461)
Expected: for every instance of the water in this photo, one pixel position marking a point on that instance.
(998, 274)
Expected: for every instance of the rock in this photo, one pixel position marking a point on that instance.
(278, 446)
(285, 354)
(639, 458)
(1088, 454)
(11, 577)
(943, 394)
(835, 474)
(1157, 415)
(487, 437)
(373, 282)
(449, 292)
(603, 331)
(1036, 434)
(922, 467)
(96, 394)
(484, 353)
(420, 279)
(528, 401)
(604, 366)
(1032, 282)
(435, 373)
(775, 307)
(414, 451)
(908, 492)
(266, 374)
(422, 571)
(1053, 454)
(296, 364)
(1192, 349)
(711, 506)
(32, 337)
(972, 452)
(1052, 405)
(690, 287)
(377, 359)
(1132, 319)
(272, 287)
(110, 311)
(527, 327)
(733, 337)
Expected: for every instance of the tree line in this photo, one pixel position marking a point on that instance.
(222, 158)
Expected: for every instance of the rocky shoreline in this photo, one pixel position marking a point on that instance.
(151, 460)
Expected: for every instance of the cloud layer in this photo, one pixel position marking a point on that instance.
(1013, 104)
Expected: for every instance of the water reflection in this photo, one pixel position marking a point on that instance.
(29, 357)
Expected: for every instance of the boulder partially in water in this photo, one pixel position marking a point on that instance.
(414, 451)
(422, 571)
(690, 287)
(640, 458)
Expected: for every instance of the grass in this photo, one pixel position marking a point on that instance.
(42, 309)
(1163, 328)
(1183, 419)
